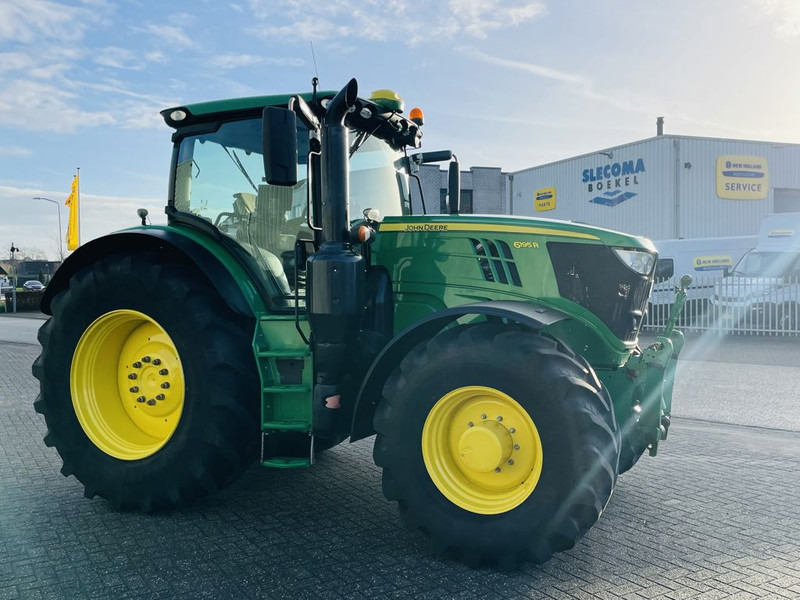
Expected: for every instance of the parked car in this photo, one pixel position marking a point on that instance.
(33, 285)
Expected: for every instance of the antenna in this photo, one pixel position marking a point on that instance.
(314, 58)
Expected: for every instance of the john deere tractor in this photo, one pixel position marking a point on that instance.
(293, 301)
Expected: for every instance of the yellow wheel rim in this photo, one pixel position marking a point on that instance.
(482, 450)
(127, 384)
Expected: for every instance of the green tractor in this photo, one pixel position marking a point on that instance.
(294, 301)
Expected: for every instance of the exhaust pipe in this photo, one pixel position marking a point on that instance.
(336, 275)
(335, 166)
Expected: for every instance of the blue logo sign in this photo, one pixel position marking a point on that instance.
(613, 198)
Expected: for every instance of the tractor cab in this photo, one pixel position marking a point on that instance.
(218, 179)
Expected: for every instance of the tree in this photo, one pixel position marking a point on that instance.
(30, 253)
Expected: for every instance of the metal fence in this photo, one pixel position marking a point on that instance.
(742, 305)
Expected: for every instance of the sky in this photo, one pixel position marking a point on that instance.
(509, 84)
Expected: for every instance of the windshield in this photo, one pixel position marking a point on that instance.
(767, 264)
(219, 177)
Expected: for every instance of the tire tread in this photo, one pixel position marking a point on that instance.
(588, 405)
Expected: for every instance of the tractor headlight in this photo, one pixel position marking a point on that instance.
(636, 260)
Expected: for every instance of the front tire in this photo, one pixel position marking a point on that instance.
(634, 443)
(148, 383)
(498, 443)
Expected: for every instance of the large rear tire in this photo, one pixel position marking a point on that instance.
(497, 443)
(148, 383)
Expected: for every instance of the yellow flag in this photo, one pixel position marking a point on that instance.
(72, 224)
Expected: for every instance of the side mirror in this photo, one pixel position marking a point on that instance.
(279, 146)
(436, 156)
(454, 188)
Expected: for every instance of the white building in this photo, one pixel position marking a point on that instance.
(665, 187)
(483, 190)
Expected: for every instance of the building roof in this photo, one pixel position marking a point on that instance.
(652, 139)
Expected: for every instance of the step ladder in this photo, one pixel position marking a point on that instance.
(286, 373)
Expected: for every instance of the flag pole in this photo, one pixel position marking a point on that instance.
(79, 205)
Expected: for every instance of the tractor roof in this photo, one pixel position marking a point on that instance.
(252, 104)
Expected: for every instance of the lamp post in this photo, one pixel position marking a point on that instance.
(14, 268)
(60, 239)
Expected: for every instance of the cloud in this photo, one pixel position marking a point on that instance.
(112, 86)
(389, 21)
(479, 17)
(786, 13)
(15, 61)
(142, 115)
(139, 111)
(234, 61)
(576, 84)
(32, 224)
(29, 20)
(119, 58)
(155, 56)
(40, 106)
(172, 35)
(541, 71)
(14, 151)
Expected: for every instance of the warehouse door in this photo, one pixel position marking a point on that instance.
(786, 200)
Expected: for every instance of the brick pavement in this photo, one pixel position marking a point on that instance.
(714, 516)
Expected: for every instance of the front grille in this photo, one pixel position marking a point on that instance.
(496, 261)
(594, 277)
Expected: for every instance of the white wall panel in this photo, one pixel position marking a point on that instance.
(674, 196)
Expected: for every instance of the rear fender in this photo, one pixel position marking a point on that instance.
(167, 241)
(528, 314)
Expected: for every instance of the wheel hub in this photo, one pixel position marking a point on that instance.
(482, 450)
(485, 447)
(127, 384)
(156, 376)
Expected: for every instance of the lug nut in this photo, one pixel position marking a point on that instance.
(499, 418)
(132, 376)
(165, 385)
(156, 361)
(470, 424)
(137, 365)
(134, 389)
(160, 397)
(145, 359)
(497, 470)
(140, 399)
(516, 446)
(151, 402)
(512, 430)
(163, 372)
(511, 461)
(483, 416)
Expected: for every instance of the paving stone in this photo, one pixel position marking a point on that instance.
(713, 516)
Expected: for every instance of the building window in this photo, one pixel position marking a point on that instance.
(466, 201)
